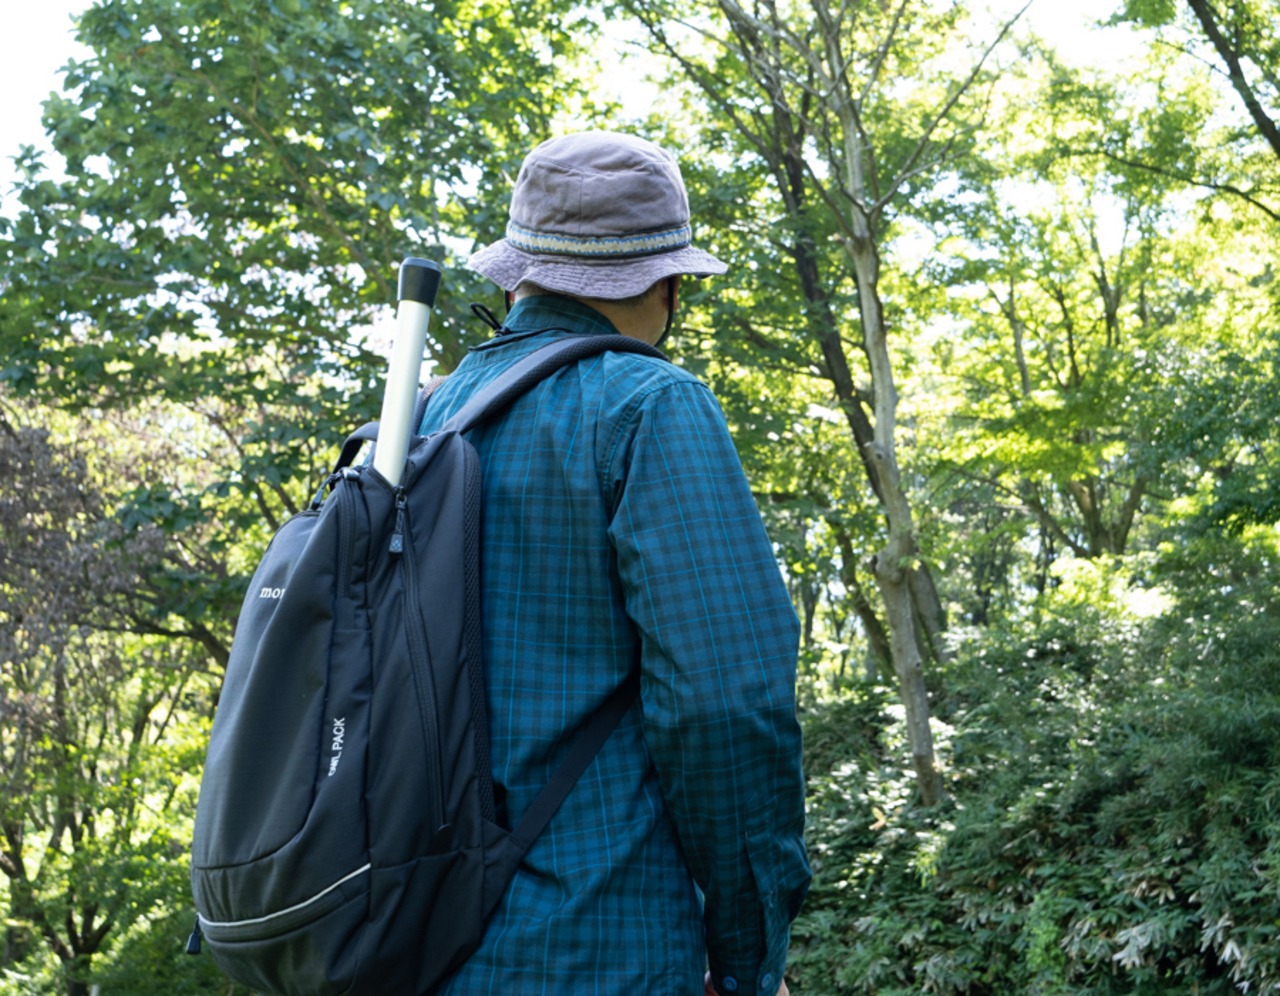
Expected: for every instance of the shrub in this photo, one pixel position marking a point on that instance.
(1112, 827)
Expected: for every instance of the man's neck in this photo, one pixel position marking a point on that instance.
(645, 321)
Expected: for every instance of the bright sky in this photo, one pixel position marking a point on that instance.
(38, 40)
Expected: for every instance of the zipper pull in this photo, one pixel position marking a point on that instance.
(193, 942)
(397, 537)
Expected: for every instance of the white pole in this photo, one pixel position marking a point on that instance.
(419, 281)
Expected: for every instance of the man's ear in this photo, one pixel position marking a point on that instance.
(671, 295)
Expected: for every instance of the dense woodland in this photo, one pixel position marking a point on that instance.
(998, 348)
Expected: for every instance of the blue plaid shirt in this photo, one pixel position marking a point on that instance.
(615, 510)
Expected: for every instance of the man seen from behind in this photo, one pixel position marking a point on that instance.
(619, 533)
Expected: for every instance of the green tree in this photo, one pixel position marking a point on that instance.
(99, 738)
(846, 114)
(1103, 404)
(1242, 40)
(1063, 365)
(1206, 51)
(1095, 304)
(247, 175)
(205, 290)
(244, 178)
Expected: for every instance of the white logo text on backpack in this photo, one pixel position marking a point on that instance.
(339, 736)
(269, 592)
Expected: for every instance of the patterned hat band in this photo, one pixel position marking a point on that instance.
(598, 246)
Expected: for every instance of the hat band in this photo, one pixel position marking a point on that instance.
(598, 246)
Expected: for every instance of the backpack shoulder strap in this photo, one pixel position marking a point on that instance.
(522, 375)
(500, 392)
(590, 738)
(587, 745)
(367, 433)
(424, 395)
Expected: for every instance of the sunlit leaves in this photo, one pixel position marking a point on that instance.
(243, 179)
(97, 774)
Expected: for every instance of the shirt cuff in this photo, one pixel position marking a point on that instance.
(781, 873)
(729, 983)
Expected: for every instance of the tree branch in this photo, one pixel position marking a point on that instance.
(1235, 71)
(945, 110)
(1225, 188)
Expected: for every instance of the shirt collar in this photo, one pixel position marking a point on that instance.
(546, 311)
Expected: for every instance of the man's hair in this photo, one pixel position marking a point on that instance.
(624, 302)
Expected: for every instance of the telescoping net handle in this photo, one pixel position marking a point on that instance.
(419, 282)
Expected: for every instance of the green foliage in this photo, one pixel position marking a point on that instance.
(1113, 825)
(152, 958)
(243, 182)
(243, 177)
(102, 727)
(1076, 274)
(203, 293)
(1230, 431)
(148, 958)
(1242, 42)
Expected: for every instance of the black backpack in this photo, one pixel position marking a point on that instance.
(346, 839)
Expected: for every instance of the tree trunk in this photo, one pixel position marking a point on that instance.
(1231, 56)
(904, 602)
(891, 567)
(898, 559)
(880, 651)
(781, 132)
(928, 603)
(908, 666)
(77, 987)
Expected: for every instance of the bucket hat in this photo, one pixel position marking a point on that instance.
(596, 214)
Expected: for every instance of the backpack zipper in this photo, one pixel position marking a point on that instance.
(424, 681)
(346, 512)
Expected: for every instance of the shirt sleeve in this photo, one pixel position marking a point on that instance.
(719, 642)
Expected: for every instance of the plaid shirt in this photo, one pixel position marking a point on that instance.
(616, 510)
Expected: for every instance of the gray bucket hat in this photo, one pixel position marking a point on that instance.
(596, 214)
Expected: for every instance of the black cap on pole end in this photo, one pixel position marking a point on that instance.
(419, 280)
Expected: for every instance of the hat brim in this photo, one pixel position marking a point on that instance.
(605, 279)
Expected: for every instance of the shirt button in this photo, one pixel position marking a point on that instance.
(729, 984)
(766, 984)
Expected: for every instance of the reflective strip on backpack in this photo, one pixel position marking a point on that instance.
(292, 909)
